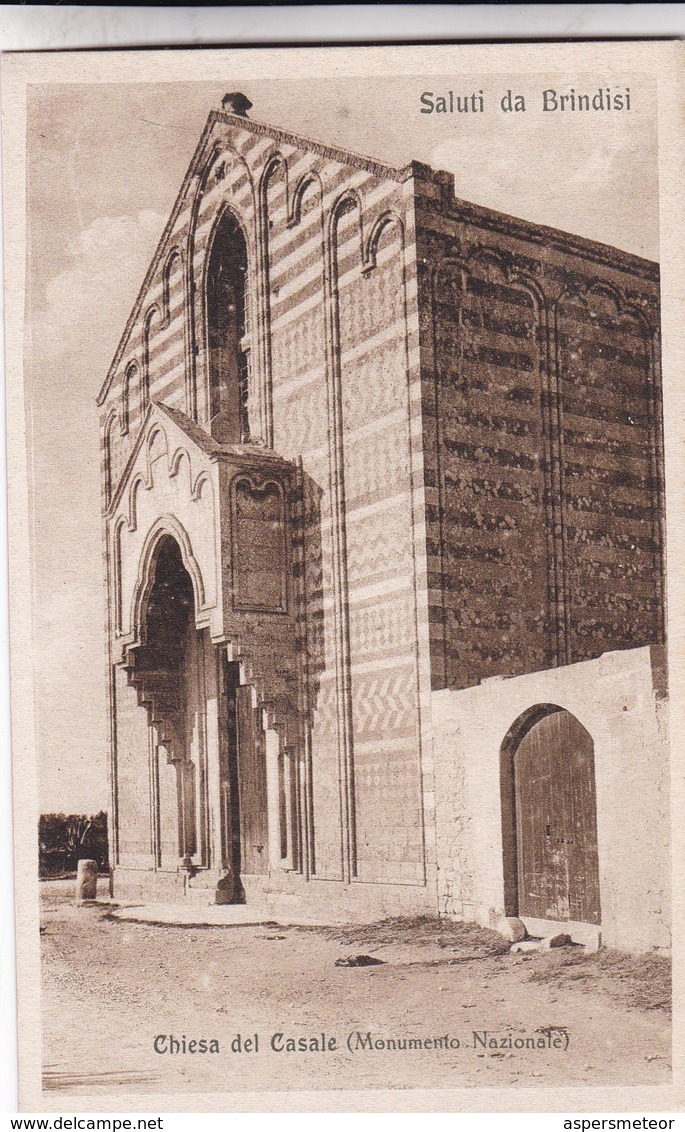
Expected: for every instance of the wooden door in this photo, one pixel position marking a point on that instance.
(251, 786)
(556, 821)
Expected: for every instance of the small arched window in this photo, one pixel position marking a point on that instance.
(228, 348)
(145, 380)
(129, 382)
(173, 266)
(110, 456)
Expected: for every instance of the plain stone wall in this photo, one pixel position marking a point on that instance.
(614, 698)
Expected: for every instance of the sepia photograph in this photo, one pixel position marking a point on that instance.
(340, 405)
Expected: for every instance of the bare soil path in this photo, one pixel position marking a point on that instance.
(111, 989)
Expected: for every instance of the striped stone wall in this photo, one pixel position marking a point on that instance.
(335, 386)
(542, 436)
(473, 406)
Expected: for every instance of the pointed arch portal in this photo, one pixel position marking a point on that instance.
(162, 673)
(171, 670)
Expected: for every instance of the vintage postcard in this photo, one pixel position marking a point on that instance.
(344, 421)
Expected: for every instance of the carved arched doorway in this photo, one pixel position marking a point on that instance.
(165, 673)
(549, 814)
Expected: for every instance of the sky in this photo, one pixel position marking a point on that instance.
(105, 163)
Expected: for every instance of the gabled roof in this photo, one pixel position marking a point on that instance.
(202, 439)
(157, 411)
(208, 444)
(217, 116)
(486, 217)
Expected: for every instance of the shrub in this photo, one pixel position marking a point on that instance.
(64, 839)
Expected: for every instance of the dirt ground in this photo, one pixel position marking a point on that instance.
(111, 988)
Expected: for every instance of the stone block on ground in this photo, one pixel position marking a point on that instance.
(561, 939)
(511, 928)
(527, 945)
(358, 961)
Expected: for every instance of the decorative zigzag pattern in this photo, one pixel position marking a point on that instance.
(324, 709)
(379, 547)
(381, 774)
(383, 702)
(372, 305)
(299, 346)
(374, 384)
(377, 466)
(380, 630)
(302, 428)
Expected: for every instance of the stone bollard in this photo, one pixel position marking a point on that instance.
(86, 881)
(225, 889)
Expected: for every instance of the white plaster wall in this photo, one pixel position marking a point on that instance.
(613, 697)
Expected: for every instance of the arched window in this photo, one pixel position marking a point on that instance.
(145, 383)
(110, 456)
(174, 265)
(129, 382)
(226, 333)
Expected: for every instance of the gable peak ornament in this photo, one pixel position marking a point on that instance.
(236, 103)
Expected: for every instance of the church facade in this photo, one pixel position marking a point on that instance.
(382, 510)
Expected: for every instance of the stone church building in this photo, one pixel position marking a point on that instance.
(382, 504)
